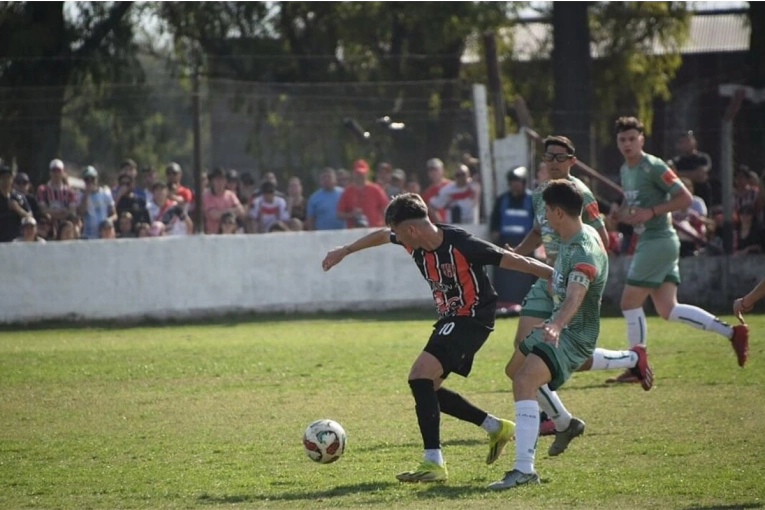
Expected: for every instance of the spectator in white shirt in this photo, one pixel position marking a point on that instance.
(459, 198)
(267, 209)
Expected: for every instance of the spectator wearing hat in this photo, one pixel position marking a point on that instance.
(128, 200)
(321, 212)
(217, 200)
(266, 209)
(21, 184)
(29, 231)
(56, 197)
(95, 204)
(232, 180)
(182, 194)
(13, 206)
(363, 203)
(459, 199)
(437, 181)
(513, 215)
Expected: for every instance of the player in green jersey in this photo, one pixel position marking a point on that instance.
(559, 156)
(559, 346)
(651, 192)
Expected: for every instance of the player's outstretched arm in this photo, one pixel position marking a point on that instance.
(511, 260)
(530, 242)
(336, 255)
(746, 303)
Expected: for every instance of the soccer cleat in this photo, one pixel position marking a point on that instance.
(498, 440)
(426, 472)
(514, 478)
(626, 377)
(562, 439)
(546, 427)
(740, 343)
(642, 369)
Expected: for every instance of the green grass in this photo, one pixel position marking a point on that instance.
(211, 416)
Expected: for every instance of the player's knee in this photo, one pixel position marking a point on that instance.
(664, 310)
(509, 370)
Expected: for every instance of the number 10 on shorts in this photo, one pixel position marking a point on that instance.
(446, 329)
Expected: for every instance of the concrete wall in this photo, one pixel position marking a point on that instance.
(200, 276)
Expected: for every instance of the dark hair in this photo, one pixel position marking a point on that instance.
(278, 226)
(158, 185)
(408, 206)
(627, 123)
(130, 163)
(62, 226)
(564, 194)
(267, 187)
(560, 141)
(148, 169)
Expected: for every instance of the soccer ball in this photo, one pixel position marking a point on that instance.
(324, 441)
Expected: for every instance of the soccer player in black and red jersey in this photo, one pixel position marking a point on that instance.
(454, 263)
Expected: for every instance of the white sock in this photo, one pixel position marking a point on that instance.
(550, 403)
(637, 329)
(434, 456)
(700, 319)
(490, 423)
(603, 359)
(526, 434)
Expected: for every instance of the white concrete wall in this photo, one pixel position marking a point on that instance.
(176, 277)
(179, 277)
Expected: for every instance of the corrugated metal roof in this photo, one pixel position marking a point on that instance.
(708, 33)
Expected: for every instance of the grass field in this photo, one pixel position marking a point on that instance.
(211, 416)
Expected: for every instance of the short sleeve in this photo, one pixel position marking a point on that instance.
(584, 268)
(591, 212)
(477, 251)
(665, 178)
(109, 197)
(343, 204)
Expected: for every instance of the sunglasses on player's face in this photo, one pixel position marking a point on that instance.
(557, 156)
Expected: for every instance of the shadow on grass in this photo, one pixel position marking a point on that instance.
(340, 490)
(450, 442)
(475, 487)
(744, 506)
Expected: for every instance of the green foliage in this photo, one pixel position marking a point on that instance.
(211, 416)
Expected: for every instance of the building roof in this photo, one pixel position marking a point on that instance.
(709, 32)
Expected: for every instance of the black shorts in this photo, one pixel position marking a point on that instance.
(454, 342)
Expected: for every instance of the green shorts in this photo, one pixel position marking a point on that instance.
(538, 302)
(655, 261)
(563, 360)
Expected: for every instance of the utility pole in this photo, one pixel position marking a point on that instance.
(495, 83)
(196, 113)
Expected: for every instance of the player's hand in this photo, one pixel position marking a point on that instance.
(550, 332)
(508, 248)
(738, 310)
(638, 216)
(334, 257)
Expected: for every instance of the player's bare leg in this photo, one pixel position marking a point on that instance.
(665, 300)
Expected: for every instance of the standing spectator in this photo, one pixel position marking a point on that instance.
(246, 188)
(513, 215)
(296, 203)
(232, 181)
(46, 228)
(362, 203)
(437, 181)
(96, 204)
(29, 231)
(106, 230)
(343, 177)
(695, 166)
(56, 197)
(693, 219)
(413, 186)
(748, 235)
(148, 176)
(459, 199)
(267, 209)
(128, 200)
(127, 167)
(321, 213)
(160, 202)
(383, 174)
(743, 194)
(173, 174)
(397, 183)
(228, 224)
(13, 206)
(21, 184)
(125, 225)
(67, 231)
(217, 200)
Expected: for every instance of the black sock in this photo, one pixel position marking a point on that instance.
(428, 413)
(543, 416)
(458, 406)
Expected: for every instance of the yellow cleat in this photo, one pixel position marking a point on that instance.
(498, 440)
(426, 472)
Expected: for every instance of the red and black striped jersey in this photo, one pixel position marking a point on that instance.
(456, 273)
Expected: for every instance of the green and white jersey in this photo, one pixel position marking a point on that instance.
(551, 240)
(583, 260)
(650, 183)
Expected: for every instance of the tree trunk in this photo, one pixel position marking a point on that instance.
(571, 75)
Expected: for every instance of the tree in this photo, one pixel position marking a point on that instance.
(43, 54)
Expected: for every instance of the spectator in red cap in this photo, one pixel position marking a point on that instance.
(362, 203)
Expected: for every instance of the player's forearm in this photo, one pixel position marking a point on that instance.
(754, 295)
(516, 262)
(679, 202)
(377, 238)
(574, 297)
(529, 243)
